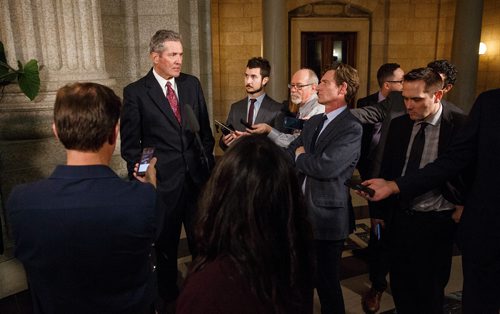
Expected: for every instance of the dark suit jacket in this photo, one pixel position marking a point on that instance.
(270, 112)
(332, 163)
(383, 112)
(452, 121)
(84, 237)
(148, 120)
(477, 145)
(369, 130)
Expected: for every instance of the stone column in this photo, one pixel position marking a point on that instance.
(65, 36)
(464, 54)
(275, 33)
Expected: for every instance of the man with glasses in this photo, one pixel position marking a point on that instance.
(257, 107)
(303, 103)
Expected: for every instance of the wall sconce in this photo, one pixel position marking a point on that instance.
(482, 48)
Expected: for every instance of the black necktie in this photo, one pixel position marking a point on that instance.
(250, 111)
(317, 131)
(417, 149)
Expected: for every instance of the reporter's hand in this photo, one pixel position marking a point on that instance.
(382, 188)
(260, 128)
(150, 176)
(457, 214)
(228, 139)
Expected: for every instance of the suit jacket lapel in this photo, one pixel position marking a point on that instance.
(263, 110)
(445, 130)
(330, 128)
(155, 92)
(404, 135)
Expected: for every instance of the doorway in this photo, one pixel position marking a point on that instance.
(321, 49)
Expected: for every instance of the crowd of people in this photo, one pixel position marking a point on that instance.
(267, 224)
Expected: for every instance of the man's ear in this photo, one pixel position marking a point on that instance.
(154, 56)
(447, 88)
(343, 88)
(265, 80)
(113, 137)
(439, 95)
(54, 130)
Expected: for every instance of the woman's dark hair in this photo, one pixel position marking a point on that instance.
(252, 211)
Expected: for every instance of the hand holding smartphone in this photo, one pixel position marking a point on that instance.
(225, 129)
(359, 187)
(147, 154)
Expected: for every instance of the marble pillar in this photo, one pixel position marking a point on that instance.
(275, 33)
(464, 53)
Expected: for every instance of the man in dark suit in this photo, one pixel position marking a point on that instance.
(257, 107)
(155, 114)
(476, 145)
(421, 231)
(325, 154)
(84, 235)
(389, 78)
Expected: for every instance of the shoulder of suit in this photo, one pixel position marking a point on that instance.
(271, 101)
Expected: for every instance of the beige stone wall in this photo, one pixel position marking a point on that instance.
(236, 37)
(489, 63)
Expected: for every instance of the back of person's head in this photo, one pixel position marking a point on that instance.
(160, 37)
(252, 211)
(431, 78)
(386, 72)
(446, 68)
(86, 115)
(263, 64)
(349, 75)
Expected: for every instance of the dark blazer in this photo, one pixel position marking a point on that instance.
(383, 112)
(270, 112)
(84, 237)
(398, 138)
(369, 130)
(332, 163)
(148, 120)
(476, 145)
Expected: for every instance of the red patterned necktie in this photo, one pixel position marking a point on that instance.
(250, 110)
(174, 103)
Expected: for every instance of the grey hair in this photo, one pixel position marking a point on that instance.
(160, 37)
(313, 78)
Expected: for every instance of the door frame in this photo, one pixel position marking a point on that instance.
(333, 24)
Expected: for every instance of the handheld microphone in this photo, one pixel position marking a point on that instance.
(193, 124)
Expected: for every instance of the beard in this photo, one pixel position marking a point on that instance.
(254, 91)
(296, 99)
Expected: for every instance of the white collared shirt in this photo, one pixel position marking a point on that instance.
(163, 83)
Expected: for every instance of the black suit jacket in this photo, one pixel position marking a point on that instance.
(84, 237)
(332, 163)
(148, 120)
(369, 129)
(398, 138)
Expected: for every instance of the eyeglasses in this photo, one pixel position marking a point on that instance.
(298, 86)
(400, 82)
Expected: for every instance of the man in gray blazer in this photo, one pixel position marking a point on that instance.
(257, 107)
(325, 154)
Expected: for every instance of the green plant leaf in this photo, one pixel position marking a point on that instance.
(29, 79)
(7, 78)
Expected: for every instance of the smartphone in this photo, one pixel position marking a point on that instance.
(147, 154)
(246, 124)
(225, 129)
(360, 187)
(294, 123)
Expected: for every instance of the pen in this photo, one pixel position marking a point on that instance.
(377, 231)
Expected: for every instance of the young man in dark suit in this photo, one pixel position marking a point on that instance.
(84, 235)
(325, 154)
(390, 79)
(477, 145)
(421, 231)
(156, 114)
(257, 107)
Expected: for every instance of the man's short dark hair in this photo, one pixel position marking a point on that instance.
(386, 72)
(263, 64)
(85, 116)
(432, 79)
(444, 67)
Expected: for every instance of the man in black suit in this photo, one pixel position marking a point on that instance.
(84, 235)
(421, 231)
(325, 154)
(155, 114)
(257, 107)
(476, 145)
(389, 78)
